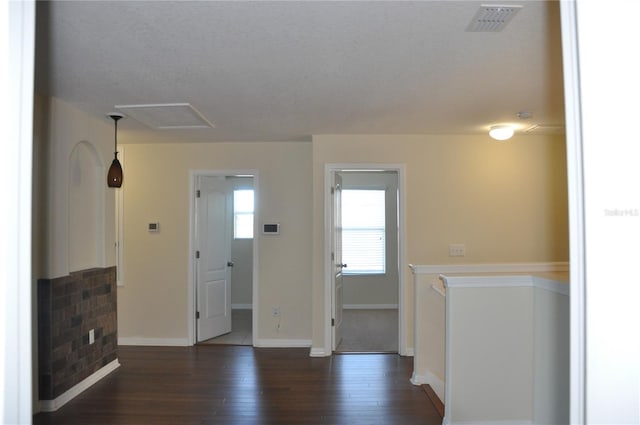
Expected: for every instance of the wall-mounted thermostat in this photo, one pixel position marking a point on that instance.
(271, 228)
(153, 227)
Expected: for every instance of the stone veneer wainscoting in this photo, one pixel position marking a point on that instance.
(68, 308)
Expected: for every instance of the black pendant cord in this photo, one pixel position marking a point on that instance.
(115, 135)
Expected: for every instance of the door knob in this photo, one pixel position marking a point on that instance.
(229, 263)
(344, 266)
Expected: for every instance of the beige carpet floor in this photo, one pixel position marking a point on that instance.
(369, 331)
(241, 330)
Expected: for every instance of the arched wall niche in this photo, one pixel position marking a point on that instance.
(86, 207)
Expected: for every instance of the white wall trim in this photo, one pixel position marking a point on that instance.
(318, 352)
(505, 282)
(429, 378)
(242, 306)
(283, 343)
(562, 266)
(370, 306)
(158, 342)
(328, 282)
(18, 359)
(439, 288)
(446, 422)
(575, 193)
(71, 393)
(551, 285)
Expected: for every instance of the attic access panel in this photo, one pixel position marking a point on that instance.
(166, 116)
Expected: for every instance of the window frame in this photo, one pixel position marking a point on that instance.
(347, 271)
(243, 213)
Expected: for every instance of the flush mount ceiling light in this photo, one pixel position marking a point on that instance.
(501, 132)
(114, 176)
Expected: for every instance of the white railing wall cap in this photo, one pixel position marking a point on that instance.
(509, 281)
(561, 266)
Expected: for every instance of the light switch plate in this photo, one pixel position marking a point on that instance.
(457, 250)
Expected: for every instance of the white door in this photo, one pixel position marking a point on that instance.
(336, 258)
(213, 256)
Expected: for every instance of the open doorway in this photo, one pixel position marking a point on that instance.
(365, 251)
(223, 244)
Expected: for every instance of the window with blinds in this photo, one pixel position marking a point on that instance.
(243, 214)
(363, 231)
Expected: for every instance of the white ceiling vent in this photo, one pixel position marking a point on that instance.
(492, 18)
(166, 116)
(545, 129)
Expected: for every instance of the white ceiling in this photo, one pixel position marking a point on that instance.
(263, 70)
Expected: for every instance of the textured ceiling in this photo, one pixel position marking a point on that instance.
(287, 70)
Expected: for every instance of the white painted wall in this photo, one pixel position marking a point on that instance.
(68, 127)
(507, 349)
(489, 355)
(16, 83)
(551, 386)
(86, 207)
(598, 45)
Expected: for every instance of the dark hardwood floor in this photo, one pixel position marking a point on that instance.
(230, 385)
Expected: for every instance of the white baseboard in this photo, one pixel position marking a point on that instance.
(318, 352)
(429, 378)
(370, 306)
(71, 393)
(283, 343)
(446, 421)
(160, 342)
(241, 306)
(408, 351)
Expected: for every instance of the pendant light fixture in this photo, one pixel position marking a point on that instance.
(114, 176)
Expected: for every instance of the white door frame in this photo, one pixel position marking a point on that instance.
(19, 362)
(328, 270)
(576, 192)
(191, 310)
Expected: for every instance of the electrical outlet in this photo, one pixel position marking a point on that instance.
(456, 250)
(92, 336)
(275, 312)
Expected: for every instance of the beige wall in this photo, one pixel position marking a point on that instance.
(154, 301)
(506, 201)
